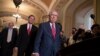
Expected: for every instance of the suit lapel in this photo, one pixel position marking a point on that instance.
(57, 29)
(26, 28)
(31, 29)
(13, 31)
(49, 28)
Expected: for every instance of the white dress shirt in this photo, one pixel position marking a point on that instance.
(29, 25)
(51, 25)
(9, 36)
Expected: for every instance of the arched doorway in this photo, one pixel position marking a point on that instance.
(75, 13)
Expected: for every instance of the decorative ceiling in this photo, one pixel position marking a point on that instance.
(38, 8)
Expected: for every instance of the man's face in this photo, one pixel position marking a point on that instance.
(53, 16)
(11, 24)
(31, 19)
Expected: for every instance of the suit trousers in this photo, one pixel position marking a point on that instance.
(25, 52)
(7, 51)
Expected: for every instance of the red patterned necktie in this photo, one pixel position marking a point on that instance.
(53, 31)
(29, 30)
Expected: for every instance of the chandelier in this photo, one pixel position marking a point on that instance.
(17, 3)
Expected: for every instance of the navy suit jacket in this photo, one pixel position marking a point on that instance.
(45, 45)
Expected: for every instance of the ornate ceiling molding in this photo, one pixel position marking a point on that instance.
(42, 6)
(37, 5)
(61, 4)
(10, 14)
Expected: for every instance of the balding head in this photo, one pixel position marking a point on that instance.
(53, 16)
(54, 12)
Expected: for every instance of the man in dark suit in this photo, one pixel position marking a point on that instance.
(27, 33)
(48, 40)
(9, 36)
(0, 40)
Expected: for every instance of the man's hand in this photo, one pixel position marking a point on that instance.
(15, 49)
(35, 54)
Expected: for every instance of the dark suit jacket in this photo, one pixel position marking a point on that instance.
(4, 33)
(25, 40)
(45, 45)
(0, 44)
(0, 39)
